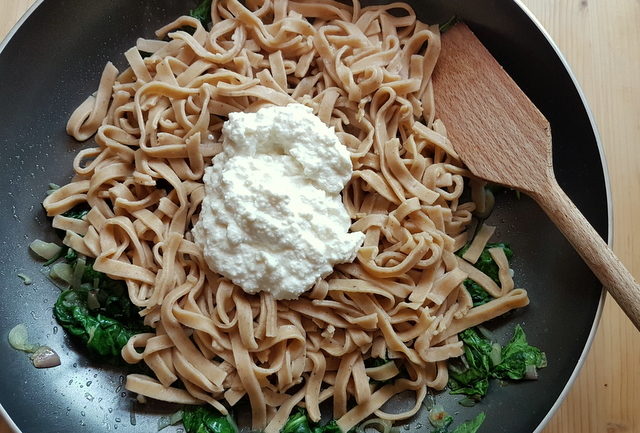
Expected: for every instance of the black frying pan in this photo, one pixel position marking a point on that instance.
(54, 61)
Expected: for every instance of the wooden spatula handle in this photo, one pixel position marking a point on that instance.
(595, 252)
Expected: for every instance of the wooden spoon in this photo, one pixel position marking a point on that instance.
(502, 137)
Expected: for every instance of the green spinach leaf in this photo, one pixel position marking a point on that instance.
(472, 378)
(487, 265)
(299, 422)
(378, 362)
(202, 12)
(470, 374)
(375, 362)
(330, 427)
(102, 335)
(105, 324)
(112, 295)
(78, 211)
(71, 256)
(517, 356)
(471, 426)
(205, 419)
(479, 295)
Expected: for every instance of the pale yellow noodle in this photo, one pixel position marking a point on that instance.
(157, 125)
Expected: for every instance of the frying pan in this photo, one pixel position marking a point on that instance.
(53, 61)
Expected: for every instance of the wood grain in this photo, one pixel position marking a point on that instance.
(12, 10)
(601, 40)
(597, 255)
(486, 115)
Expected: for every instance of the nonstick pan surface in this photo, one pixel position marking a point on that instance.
(54, 60)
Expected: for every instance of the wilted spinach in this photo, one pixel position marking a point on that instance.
(77, 212)
(205, 419)
(517, 357)
(479, 295)
(375, 362)
(299, 422)
(102, 335)
(442, 421)
(202, 12)
(98, 312)
(487, 265)
(469, 374)
(471, 426)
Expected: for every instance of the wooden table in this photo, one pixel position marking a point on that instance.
(601, 41)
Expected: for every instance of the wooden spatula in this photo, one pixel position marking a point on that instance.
(502, 137)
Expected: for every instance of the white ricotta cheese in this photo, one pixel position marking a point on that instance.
(272, 218)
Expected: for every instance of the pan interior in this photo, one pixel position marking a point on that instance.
(54, 61)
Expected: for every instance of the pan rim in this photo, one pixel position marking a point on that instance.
(607, 185)
(603, 161)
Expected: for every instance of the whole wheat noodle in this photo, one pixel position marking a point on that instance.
(364, 71)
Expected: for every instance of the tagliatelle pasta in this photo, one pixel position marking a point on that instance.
(366, 72)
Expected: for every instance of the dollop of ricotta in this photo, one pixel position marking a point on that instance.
(272, 218)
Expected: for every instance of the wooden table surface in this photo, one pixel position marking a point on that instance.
(601, 41)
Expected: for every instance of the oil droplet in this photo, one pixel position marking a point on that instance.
(88, 396)
(75, 364)
(406, 427)
(123, 394)
(119, 388)
(89, 383)
(82, 413)
(418, 425)
(118, 420)
(55, 330)
(70, 381)
(110, 410)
